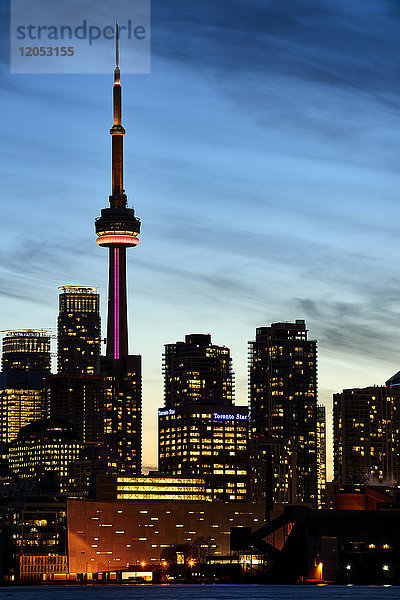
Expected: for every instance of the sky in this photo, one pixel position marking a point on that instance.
(262, 156)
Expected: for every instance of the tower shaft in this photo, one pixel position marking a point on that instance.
(117, 323)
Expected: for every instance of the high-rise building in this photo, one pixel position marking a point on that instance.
(78, 331)
(283, 413)
(201, 432)
(22, 401)
(197, 372)
(366, 436)
(78, 400)
(44, 447)
(117, 229)
(76, 393)
(26, 350)
(25, 362)
(206, 442)
(321, 455)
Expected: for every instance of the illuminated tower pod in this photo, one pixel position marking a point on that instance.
(117, 229)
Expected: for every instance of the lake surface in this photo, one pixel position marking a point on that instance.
(199, 592)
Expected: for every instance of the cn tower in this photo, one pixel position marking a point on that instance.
(117, 229)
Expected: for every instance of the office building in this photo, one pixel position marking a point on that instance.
(201, 433)
(366, 436)
(117, 229)
(283, 413)
(206, 442)
(78, 330)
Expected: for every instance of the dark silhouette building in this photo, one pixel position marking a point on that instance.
(283, 414)
(117, 229)
(79, 400)
(321, 455)
(78, 330)
(366, 436)
(201, 433)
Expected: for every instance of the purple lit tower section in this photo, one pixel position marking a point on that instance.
(117, 229)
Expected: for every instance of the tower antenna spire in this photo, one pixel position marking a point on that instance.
(116, 45)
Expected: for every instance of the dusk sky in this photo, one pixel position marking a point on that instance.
(262, 155)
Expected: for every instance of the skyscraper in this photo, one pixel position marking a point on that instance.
(117, 229)
(201, 432)
(78, 330)
(283, 413)
(76, 393)
(366, 436)
(25, 362)
(26, 350)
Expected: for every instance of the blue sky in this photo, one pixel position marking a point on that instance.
(262, 155)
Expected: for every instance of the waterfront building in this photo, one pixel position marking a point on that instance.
(283, 413)
(105, 536)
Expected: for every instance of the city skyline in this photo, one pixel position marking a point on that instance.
(257, 206)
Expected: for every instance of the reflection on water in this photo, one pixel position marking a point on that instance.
(199, 592)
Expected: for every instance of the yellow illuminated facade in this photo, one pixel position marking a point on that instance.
(19, 407)
(161, 488)
(209, 442)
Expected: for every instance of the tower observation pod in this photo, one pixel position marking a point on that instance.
(117, 229)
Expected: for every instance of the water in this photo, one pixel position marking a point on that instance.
(200, 592)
